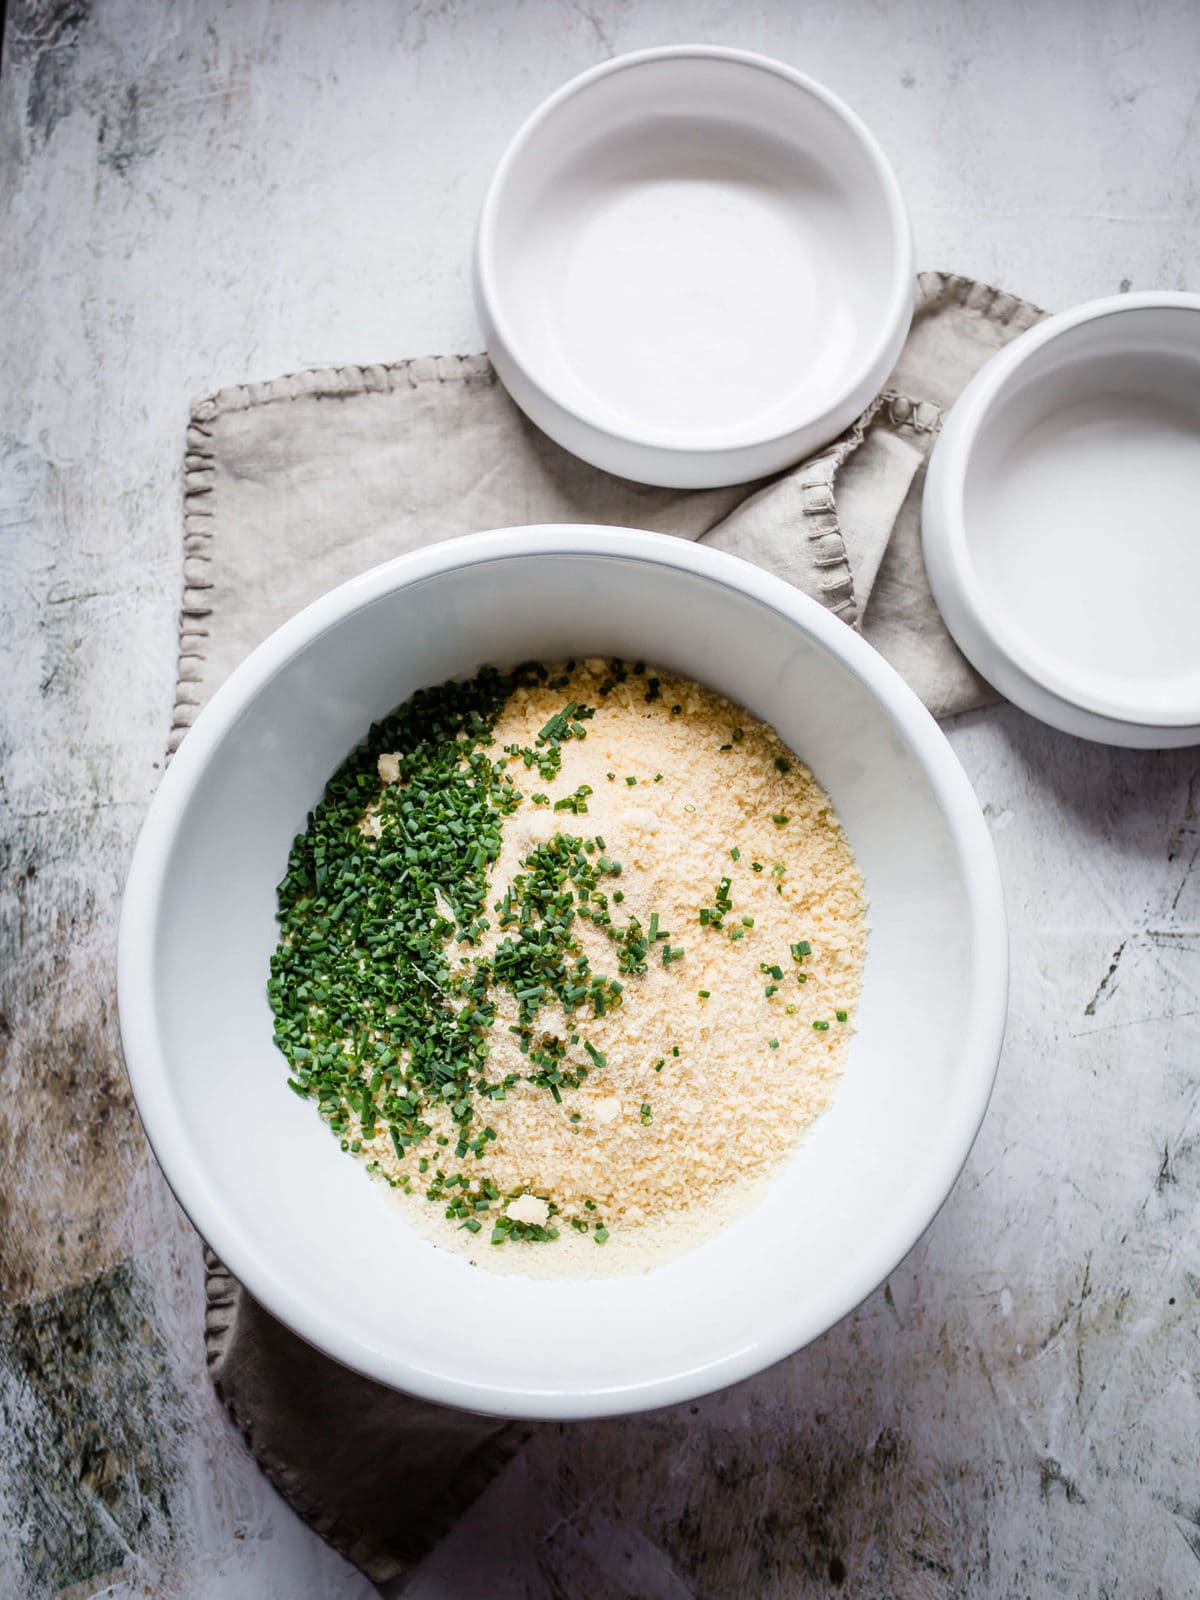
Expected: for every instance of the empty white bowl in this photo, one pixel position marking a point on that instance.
(329, 1252)
(694, 266)
(1061, 520)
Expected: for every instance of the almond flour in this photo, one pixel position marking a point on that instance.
(646, 1113)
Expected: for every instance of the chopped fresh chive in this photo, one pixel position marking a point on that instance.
(821, 1027)
(842, 1016)
(704, 993)
(735, 854)
(773, 1044)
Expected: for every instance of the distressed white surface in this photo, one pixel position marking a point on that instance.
(206, 193)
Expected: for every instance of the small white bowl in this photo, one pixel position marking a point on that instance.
(330, 1253)
(693, 267)
(1061, 521)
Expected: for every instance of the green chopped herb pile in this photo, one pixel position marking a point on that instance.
(376, 1023)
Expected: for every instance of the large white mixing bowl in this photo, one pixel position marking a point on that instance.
(329, 1252)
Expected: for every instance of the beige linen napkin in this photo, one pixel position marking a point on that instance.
(293, 486)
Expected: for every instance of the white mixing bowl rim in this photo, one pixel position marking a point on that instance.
(197, 1186)
(992, 645)
(865, 371)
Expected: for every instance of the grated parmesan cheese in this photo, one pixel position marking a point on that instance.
(664, 1154)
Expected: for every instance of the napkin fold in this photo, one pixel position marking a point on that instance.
(382, 1476)
(293, 486)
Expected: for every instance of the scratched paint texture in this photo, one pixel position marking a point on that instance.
(205, 193)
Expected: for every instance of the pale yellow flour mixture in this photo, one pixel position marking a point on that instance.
(725, 1050)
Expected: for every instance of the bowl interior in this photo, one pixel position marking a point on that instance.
(695, 250)
(329, 1251)
(1080, 517)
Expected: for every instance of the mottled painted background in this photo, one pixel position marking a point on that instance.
(201, 193)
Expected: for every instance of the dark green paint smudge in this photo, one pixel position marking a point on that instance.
(91, 1416)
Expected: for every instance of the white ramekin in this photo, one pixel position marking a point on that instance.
(694, 266)
(1061, 520)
